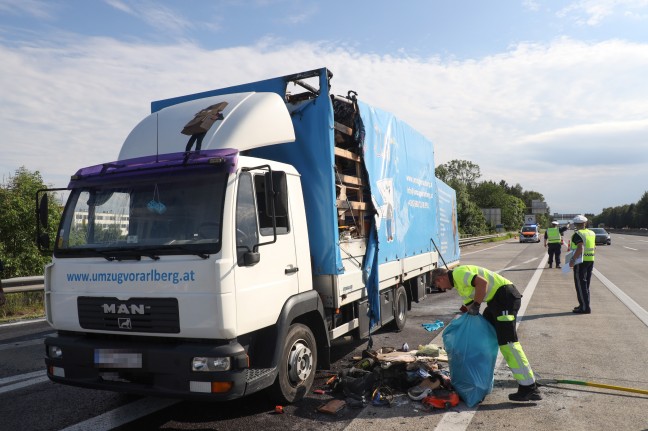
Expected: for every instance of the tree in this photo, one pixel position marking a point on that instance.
(470, 218)
(641, 212)
(489, 194)
(18, 248)
(463, 171)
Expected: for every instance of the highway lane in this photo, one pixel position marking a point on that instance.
(605, 346)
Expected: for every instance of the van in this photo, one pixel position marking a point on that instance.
(529, 233)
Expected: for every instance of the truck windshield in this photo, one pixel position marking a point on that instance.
(155, 214)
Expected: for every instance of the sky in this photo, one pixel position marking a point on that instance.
(551, 95)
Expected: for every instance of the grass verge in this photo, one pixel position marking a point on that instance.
(22, 306)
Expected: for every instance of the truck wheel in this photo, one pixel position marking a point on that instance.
(297, 365)
(400, 308)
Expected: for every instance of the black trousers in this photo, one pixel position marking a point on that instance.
(554, 251)
(582, 277)
(506, 302)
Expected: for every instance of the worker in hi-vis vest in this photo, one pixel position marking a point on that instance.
(476, 285)
(553, 240)
(583, 242)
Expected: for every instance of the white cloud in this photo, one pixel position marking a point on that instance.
(35, 8)
(593, 12)
(544, 116)
(155, 15)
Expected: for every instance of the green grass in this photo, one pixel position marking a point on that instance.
(22, 306)
(503, 237)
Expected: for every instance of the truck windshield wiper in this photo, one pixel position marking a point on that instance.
(188, 250)
(127, 254)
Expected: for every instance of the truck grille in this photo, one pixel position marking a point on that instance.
(159, 315)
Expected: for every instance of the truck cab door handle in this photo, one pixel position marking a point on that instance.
(291, 270)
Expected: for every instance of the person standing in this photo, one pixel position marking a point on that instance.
(583, 242)
(553, 241)
(476, 285)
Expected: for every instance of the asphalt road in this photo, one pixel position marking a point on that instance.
(608, 346)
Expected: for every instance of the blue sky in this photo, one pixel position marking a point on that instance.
(548, 94)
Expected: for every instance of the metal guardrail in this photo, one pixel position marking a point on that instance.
(36, 282)
(477, 239)
(23, 284)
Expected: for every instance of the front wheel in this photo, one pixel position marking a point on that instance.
(297, 365)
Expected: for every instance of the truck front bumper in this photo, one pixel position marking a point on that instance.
(158, 367)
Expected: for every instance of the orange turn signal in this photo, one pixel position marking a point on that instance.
(221, 387)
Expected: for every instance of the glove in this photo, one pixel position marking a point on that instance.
(473, 308)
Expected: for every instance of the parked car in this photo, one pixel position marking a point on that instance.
(529, 233)
(602, 236)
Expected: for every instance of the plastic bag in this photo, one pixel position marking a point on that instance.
(472, 347)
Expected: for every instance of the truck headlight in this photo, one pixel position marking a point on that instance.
(210, 364)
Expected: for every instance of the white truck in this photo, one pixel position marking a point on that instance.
(239, 231)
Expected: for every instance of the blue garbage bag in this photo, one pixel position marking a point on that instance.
(471, 344)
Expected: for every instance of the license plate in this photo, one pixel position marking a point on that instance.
(115, 358)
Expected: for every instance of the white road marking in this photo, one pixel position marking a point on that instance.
(22, 322)
(484, 249)
(627, 301)
(508, 268)
(28, 379)
(123, 415)
(630, 248)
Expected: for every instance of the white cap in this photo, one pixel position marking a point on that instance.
(580, 219)
(554, 222)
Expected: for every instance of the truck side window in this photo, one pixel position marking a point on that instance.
(265, 221)
(246, 221)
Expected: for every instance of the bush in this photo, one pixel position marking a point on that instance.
(26, 305)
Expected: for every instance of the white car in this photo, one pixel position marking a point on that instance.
(529, 233)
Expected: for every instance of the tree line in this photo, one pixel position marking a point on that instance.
(473, 195)
(633, 216)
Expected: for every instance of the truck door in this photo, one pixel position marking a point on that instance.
(261, 289)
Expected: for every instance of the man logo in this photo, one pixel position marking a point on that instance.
(124, 308)
(124, 323)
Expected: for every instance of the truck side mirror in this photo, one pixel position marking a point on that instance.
(251, 258)
(43, 207)
(43, 241)
(276, 180)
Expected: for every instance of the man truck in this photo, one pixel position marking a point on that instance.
(238, 232)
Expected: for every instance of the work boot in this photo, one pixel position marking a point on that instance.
(526, 393)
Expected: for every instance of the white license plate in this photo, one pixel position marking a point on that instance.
(116, 358)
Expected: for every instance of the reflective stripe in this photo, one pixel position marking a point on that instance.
(467, 277)
(518, 363)
(505, 317)
(490, 280)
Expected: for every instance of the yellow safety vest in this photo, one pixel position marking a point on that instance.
(553, 235)
(462, 277)
(589, 244)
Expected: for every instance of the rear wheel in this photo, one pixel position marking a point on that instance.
(400, 308)
(297, 365)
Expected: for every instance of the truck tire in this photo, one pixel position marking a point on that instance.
(400, 308)
(297, 365)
